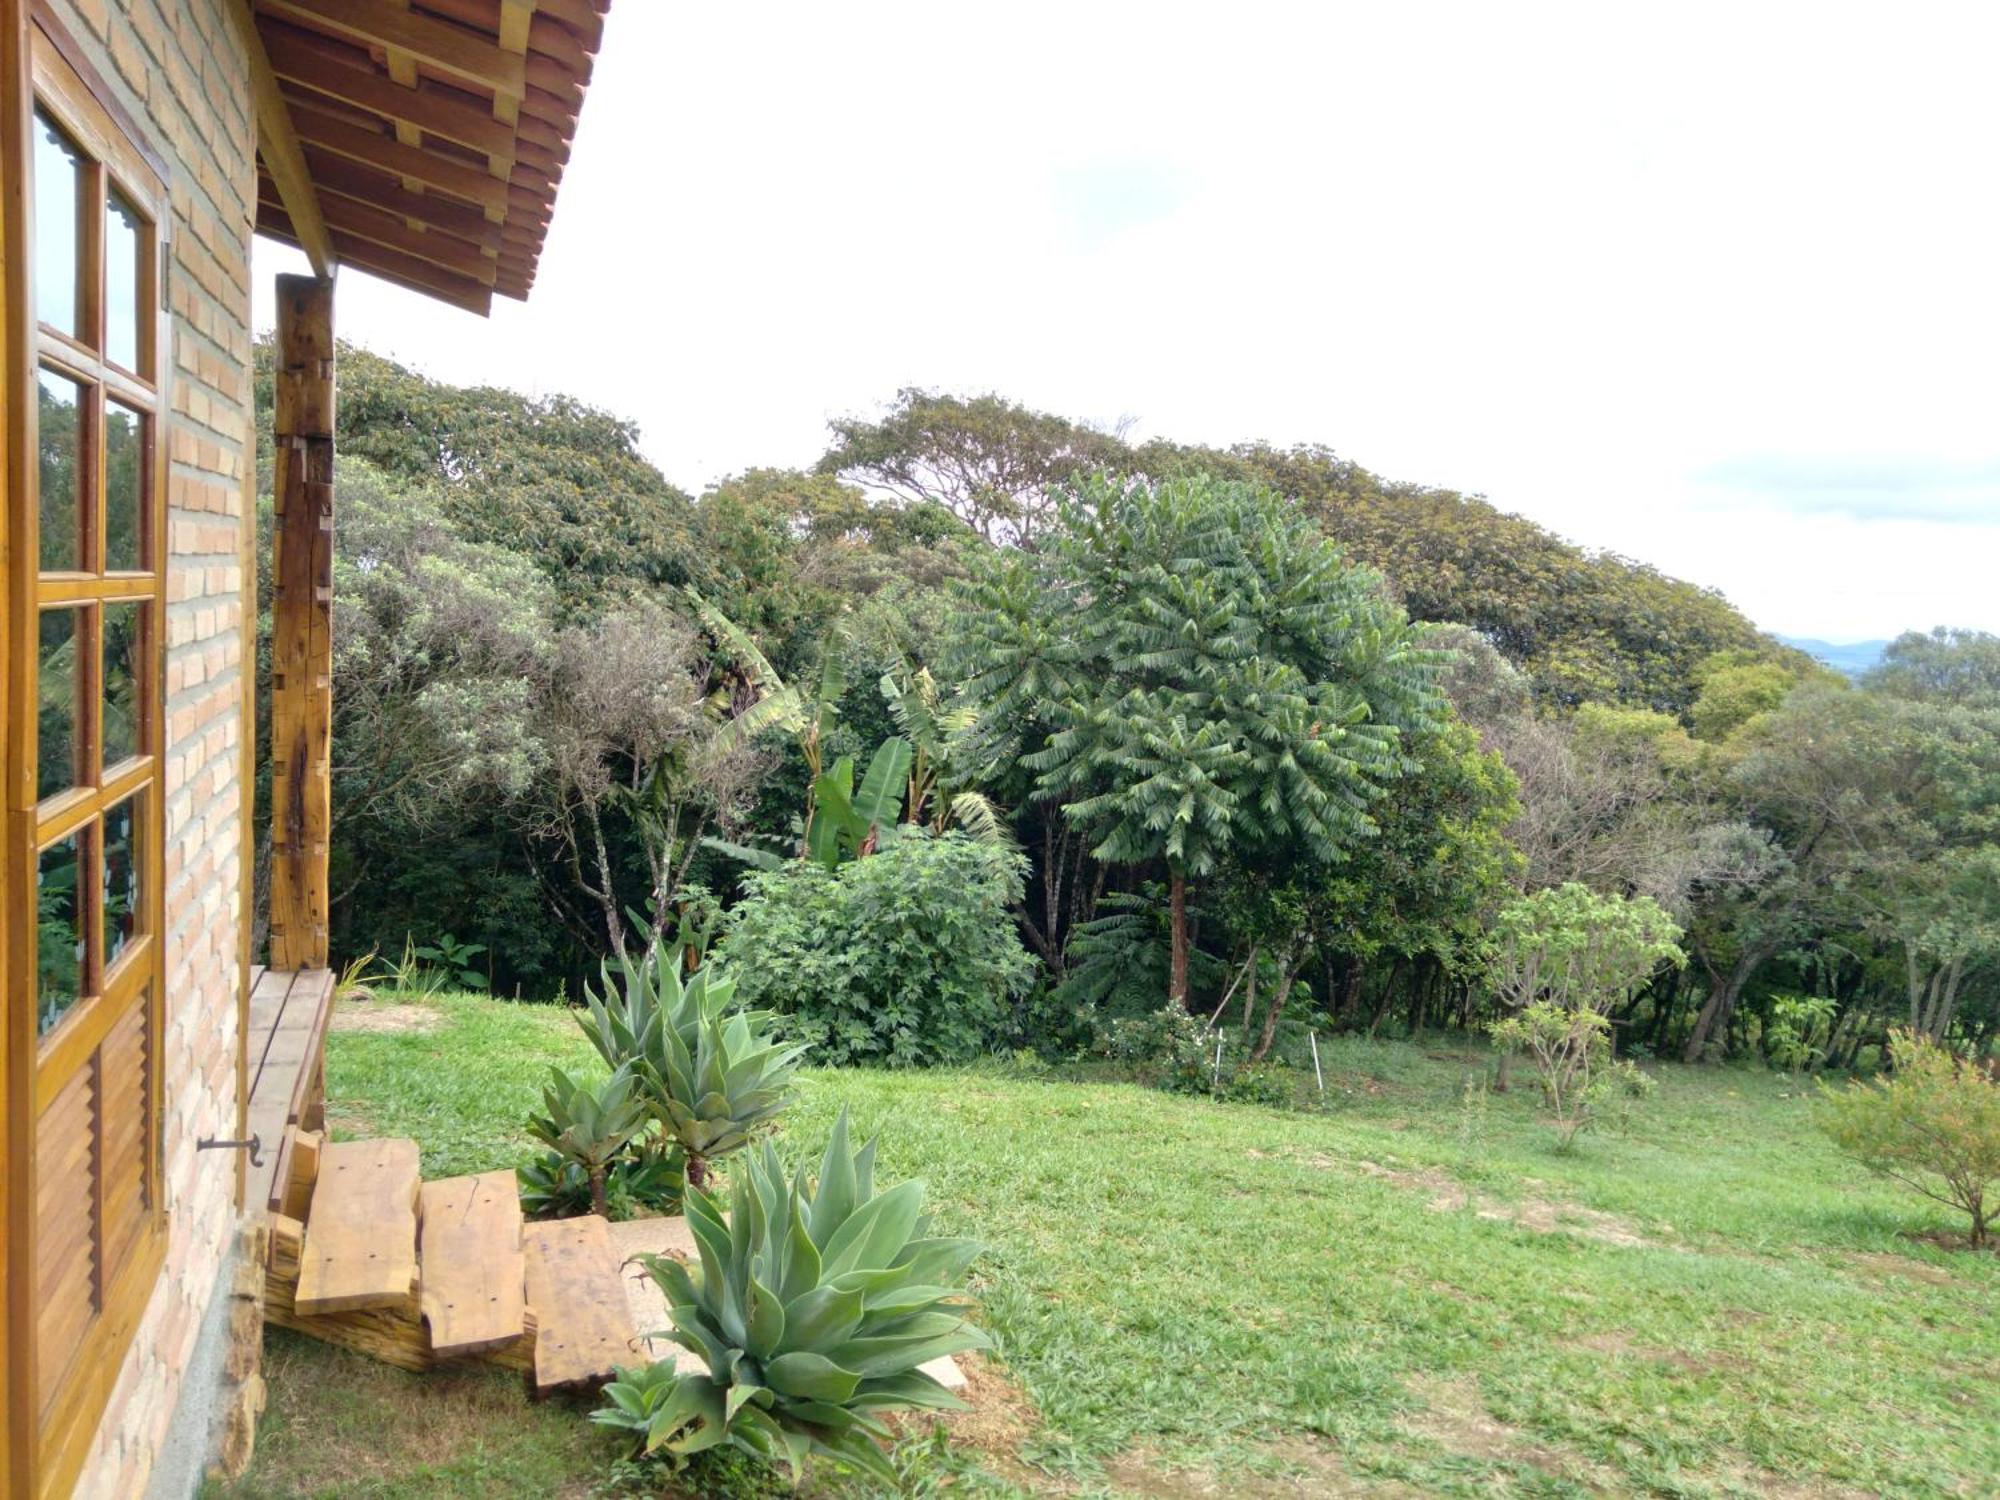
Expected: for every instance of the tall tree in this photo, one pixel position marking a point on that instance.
(1212, 677)
(994, 464)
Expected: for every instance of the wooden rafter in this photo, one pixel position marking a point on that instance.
(365, 221)
(462, 179)
(343, 178)
(451, 50)
(296, 58)
(278, 145)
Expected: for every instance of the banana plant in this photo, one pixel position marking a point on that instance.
(813, 1305)
(847, 822)
(589, 1126)
(941, 768)
(707, 1072)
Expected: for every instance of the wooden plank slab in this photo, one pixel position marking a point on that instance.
(361, 1244)
(267, 1008)
(392, 1334)
(469, 1262)
(583, 1326)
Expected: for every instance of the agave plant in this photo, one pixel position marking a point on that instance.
(589, 1126)
(707, 1073)
(812, 1306)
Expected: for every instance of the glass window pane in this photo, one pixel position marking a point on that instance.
(58, 691)
(58, 931)
(124, 912)
(58, 189)
(124, 489)
(59, 473)
(123, 648)
(121, 281)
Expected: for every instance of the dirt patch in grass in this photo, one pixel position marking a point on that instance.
(1543, 1215)
(1884, 1264)
(1310, 1467)
(1620, 1345)
(1745, 1475)
(1454, 1416)
(1001, 1420)
(384, 1016)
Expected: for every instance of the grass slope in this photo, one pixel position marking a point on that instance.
(1398, 1295)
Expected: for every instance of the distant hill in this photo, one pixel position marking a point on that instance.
(1853, 659)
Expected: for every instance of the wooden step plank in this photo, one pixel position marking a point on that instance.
(583, 1326)
(469, 1262)
(267, 1008)
(361, 1243)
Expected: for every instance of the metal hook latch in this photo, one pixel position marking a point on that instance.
(255, 1145)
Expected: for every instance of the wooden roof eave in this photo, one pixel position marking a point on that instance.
(423, 142)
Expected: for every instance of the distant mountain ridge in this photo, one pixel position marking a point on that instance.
(1854, 659)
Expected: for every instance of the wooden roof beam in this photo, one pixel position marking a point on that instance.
(438, 45)
(278, 146)
(349, 217)
(296, 59)
(339, 176)
(412, 163)
(404, 270)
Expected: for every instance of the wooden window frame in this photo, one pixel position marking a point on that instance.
(45, 72)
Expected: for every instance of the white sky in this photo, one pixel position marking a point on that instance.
(1717, 288)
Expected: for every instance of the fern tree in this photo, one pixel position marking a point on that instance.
(1207, 676)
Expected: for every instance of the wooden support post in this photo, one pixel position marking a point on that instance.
(302, 624)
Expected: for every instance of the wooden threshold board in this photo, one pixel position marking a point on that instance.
(470, 1263)
(576, 1300)
(361, 1242)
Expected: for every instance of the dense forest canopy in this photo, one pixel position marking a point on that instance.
(1265, 730)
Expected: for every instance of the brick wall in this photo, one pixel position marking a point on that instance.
(180, 71)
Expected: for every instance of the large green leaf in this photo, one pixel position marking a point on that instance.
(880, 799)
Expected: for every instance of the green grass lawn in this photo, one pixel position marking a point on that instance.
(1393, 1295)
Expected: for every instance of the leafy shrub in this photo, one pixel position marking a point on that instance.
(1168, 1049)
(812, 1307)
(456, 959)
(1570, 1048)
(1933, 1125)
(1173, 1050)
(908, 956)
(1796, 1034)
(1255, 1084)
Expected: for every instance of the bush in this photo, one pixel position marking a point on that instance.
(1933, 1125)
(907, 956)
(1173, 1050)
(1166, 1050)
(1570, 1048)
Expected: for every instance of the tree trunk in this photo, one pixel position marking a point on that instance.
(1177, 980)
(1716, 1011)
(1388, 994)
(1287, 974)
(606, 892)
(597, 1203)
